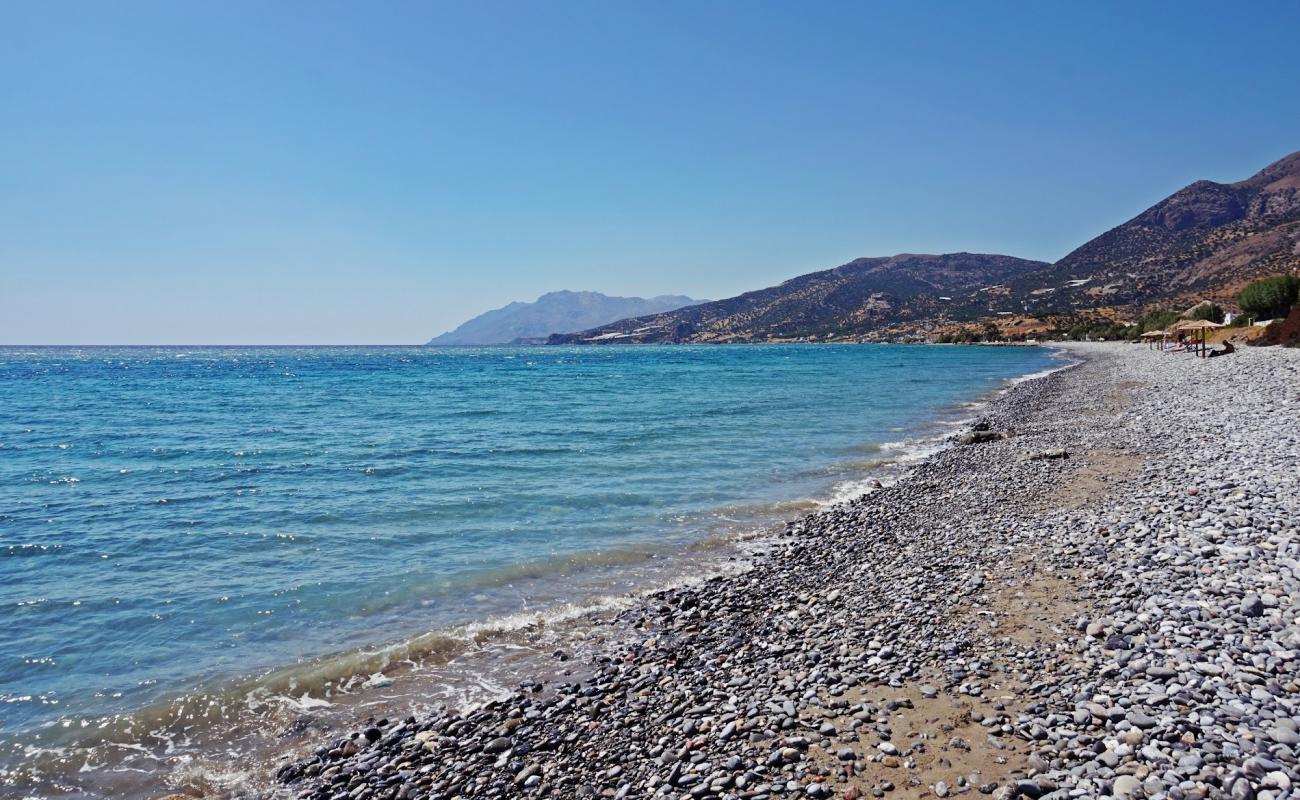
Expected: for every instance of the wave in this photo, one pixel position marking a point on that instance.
(257, 712)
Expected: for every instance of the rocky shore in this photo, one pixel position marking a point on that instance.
(1095, 598)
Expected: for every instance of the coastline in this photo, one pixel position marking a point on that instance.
(560, 642)
(467, 666)
(919, 640)
(216, 740)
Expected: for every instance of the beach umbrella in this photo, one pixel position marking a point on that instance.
(1151, 337)
(1198, 326)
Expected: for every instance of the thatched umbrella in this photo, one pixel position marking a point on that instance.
(1198, 326)
(1151, 337)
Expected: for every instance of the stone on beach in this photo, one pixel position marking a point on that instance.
(1084, 621)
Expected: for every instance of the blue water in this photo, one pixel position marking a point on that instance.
(176, 518)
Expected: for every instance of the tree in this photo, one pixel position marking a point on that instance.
(1270, 297)
(1206, 310)
(1157, 321)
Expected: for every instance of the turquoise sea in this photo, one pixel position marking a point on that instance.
(199, 546)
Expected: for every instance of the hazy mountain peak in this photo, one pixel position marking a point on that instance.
(554, 312)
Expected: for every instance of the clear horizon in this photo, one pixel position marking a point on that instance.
(325, 174)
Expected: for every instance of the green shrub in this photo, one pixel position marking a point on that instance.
(1109, 331)
(1157, 321)
(1270, 297)
(1207, 310)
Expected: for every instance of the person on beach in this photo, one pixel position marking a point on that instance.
(1227, 348)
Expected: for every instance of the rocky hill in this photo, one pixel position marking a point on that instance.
(556, 311)
(1206, 240)
(844, 302)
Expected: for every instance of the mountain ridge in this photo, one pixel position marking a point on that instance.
(1206, 238)
(551, 312)
(1204, 241)
(843, 301)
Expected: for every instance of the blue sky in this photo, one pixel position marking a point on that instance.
(240, 172)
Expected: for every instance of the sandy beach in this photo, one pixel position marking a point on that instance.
(1093, 596)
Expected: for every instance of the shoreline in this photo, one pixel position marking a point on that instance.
(461, 665)
(886, 614)
(574, 624)
(571, 624)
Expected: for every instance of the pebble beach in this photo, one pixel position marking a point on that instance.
(1090, 593)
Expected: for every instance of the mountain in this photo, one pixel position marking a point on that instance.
(1205, 240)
(843, 302)
(555, 311)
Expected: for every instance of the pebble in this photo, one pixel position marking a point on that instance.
(1171, 671)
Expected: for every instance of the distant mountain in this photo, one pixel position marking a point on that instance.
(843, 302)
(554, 312)
(1203, 242)
(1207, 239)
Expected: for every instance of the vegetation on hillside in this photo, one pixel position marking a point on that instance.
(1270, 297)
(1206, 310)
(1157, 320)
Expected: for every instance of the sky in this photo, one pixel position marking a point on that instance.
(317, 172)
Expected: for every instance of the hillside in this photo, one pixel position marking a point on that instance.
(556, 311)
(1205, 240)
(844, 302)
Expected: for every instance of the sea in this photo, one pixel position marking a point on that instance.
(211, 557)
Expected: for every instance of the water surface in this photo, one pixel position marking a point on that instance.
(178, 524)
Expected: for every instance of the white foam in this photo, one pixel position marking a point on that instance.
(468, 697)
(918, 448)
(844, 491)
(554, 615)
(304, 703)
(377, 681)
